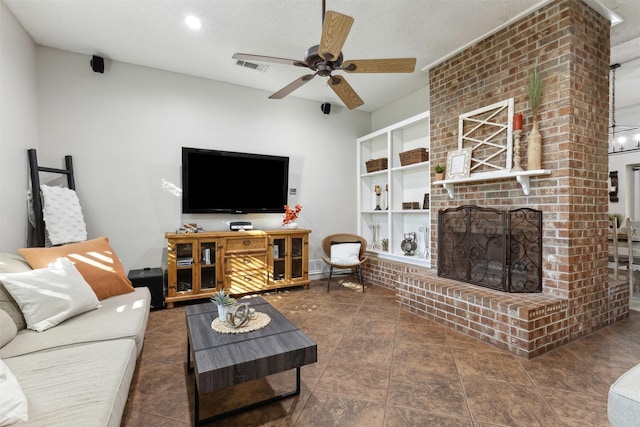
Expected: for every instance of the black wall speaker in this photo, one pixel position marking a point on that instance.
(97, 64)
(326, 107)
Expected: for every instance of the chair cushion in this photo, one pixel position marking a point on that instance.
(50, 295)
(94, 259)
(347, 253)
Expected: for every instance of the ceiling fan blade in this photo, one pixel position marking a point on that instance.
(285, 61)
(398, 65)
(345, 92)
(292, 86)
(335, 30)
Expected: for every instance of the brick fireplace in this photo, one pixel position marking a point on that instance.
(569, 43)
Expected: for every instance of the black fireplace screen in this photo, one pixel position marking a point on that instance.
(495, 249)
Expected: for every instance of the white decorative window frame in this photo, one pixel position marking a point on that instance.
(496, 139)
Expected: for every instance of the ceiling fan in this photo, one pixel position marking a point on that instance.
(325, 58)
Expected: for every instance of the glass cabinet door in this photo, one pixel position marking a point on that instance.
(208, 276)
(184, 268)
(279, 259)
(296, 257)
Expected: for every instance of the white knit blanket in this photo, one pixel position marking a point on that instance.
(63, 217)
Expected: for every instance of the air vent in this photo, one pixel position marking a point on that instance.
(252, 65)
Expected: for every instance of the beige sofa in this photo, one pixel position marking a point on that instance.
(77, 373)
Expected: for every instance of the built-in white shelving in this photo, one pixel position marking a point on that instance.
(398, 184)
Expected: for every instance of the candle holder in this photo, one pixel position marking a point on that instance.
(386, 198)
(516, 150)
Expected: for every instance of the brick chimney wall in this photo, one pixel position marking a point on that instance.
(569, 43)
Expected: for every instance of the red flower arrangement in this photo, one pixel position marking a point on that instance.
(291, 215)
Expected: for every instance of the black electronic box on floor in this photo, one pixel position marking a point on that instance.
(153, 279)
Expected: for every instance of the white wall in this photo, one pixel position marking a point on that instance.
(125, 128)
(18, 127)
(408, 106)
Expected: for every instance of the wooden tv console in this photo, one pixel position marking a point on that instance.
(241, 262)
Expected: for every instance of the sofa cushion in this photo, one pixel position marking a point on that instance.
(95, 260)
(12, 263)
(13, 403)
(8, 329)
(48, 296)
(123, 316)
(84, 385)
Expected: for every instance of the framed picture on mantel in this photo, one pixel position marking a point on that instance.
(458, 163)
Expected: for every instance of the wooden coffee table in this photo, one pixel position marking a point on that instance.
(222, 360)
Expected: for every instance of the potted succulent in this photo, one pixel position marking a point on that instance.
(439, 172)
(224, 302)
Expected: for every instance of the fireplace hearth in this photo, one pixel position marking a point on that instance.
(499, 250)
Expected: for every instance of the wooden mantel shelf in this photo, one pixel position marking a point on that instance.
(521, 176)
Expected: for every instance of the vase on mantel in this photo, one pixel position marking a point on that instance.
(534, 148)
(290, 225)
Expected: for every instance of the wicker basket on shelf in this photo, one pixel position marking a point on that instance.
(374, 165)
(414, 156)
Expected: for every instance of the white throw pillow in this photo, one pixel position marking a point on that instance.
(13, 402)
(8, 329)
(48, 296)
(345, 253)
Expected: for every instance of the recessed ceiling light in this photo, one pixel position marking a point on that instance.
(193, 22)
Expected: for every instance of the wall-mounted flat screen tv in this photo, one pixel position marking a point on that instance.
(216, 181)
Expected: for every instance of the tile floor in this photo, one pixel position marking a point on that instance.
(380, 366)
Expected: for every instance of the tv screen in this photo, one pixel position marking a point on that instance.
(228, 182)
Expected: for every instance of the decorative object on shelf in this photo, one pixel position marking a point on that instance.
(487, 131)
(424, 238)
(289, 221)
(409, 244)
(378, 195)
(425, 202)
(613, 186)
(534, 142)
(189, 228)
(417, 155)
(375, 231)
(439, 172)
(386, 197)
(517, 133)
(375, 165)
(459, 163)
(410, 205)
(385, 245)
(224, 301)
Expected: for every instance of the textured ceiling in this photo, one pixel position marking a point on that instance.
(152, 33)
